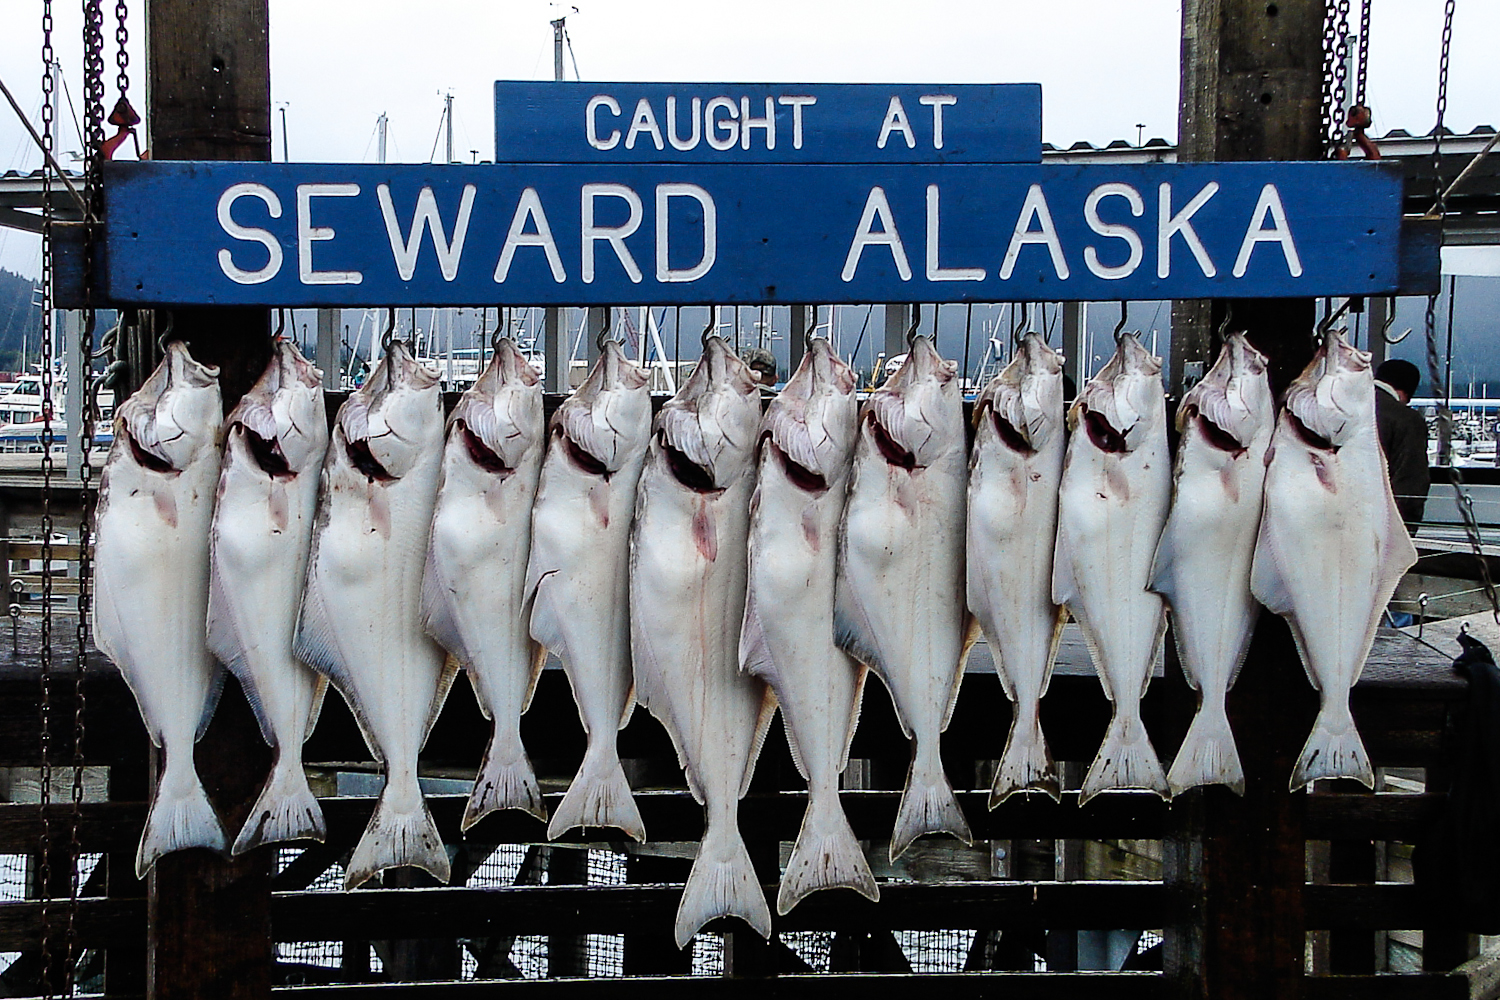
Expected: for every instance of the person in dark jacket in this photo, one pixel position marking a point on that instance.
(1403, 437)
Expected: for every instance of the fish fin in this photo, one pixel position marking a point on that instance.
(599, 796)
(851, 629)
(440, 695)
(1026, 765)
(546, 618)
(505, 781)
(856, 703)
(394, 839)
(1163, 567)
(629, 707)
(316, 644)
(1208, 755)
(928, 804)
(211, 700)
(320, 692)
(1333, 750)
(825, 856)
(722, 883)
(227, 645)
(755, 651)
(285, 810)
(650, 688)
(1064, 585)
(1126, 760)
(437, 615)
(971, 635)
(1397, 555)
(1267, 584)
(178, 820)
(763, 718)
(538, 661)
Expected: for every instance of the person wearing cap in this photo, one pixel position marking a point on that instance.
(1403, 437)
(762, 364)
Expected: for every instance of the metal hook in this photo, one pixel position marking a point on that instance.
(388, 335)
(916, 321)
(1020, 319)
(605, 335)
(166, 333)
(280, 323)
(1228, 318)
(1124, 312)
(1390, 321)
(498, 334)
(713, 322)
(1333, 317)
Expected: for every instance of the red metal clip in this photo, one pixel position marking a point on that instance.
(124, 118)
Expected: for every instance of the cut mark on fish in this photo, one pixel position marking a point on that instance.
(263, 450)
(361, 458)
(890, 449)
(687, 472)
(1013, 438)
(482, 454)
(582, 458)
(1309, 436)
(1218, 437)
(1105, 437)
(705, 537)
(147, 460)
(800, 475)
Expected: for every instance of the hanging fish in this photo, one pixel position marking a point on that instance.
(275, 441)
(899, 605)
(474, 591)
(1014, 476)
(1332, 545)
(687, 580)
(361, 620)
(579, 575)
(1203, 560)
(806, 447)
(1116, 488)
(156, 503)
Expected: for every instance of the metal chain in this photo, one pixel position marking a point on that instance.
(1335, 74)
(122, 57)
(1330, 41)
(1442, 109)
(1362, 60)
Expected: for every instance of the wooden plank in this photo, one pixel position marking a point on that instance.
(1384, 906)
(1482, 975)
(1401, 987)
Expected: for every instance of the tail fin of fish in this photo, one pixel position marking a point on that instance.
(506, 781)
(286, 810)
(928, 804)
(401, 833)
(1026, 764)
(181, 816)
(599, 796)
(1334, 750)
(1126, 760)
(721, 884)
(826, 856)
(1208, 755)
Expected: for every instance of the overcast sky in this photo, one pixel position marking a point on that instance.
(1104, 65)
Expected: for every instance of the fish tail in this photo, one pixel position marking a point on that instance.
(506, 781)
(928, 804)
(398, 835)
(1334, 750)
(286, 810)
(599, 796)
(721, 884)
(1026, 764)
(826, 856)
(1208, 755)
(1126, 760)
(181, 816)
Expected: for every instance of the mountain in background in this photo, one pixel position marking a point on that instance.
(20, 320)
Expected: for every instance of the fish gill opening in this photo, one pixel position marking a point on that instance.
(363, 460)
(687, 472)
(263, 450)
(1104, 436)
(586, 461)
(890, 449)
(146, 459)
(799, 475)
(480, 453)
(1216, 436)
(1009, 434)
(1309, 436)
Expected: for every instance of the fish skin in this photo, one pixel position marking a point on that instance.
(804, 459)
(1015, 471)
(156, 501)
(1202, 565)
(688, 561)
(360, 623)
(899, 599)
(1332, 545)
(578, 577)
(1116, 490)
(474, 589)
(275, 441)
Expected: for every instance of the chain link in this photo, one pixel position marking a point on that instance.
(1442, 109)
(1362, 59)
(1330, 41)
(122, 57)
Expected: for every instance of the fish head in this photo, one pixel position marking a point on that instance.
(1025, 401)
(175, 415)
(281, 420)
(707, 431)
(608, 418)
(1333, 400)
(1231, 408)
(1123, 404)
(390, 421)
(908, 418)
(499, 417)
(810, 424)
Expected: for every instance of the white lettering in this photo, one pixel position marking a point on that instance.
(896, 121)
(1034, 207)
(405, 250)
(666, 273)
(530, 207)
(877, 205)
(644, 121)
(1270, 202)
(797, 104)
(307, 234)
(1113, 230)
(935, 273)
(250, 234)
(1168, 225)
(615, 235)
(591, 125)
(672, 136)
(730, 126)
(747, 123)
(937, 102)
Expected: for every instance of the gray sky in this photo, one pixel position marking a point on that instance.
(1104, 65)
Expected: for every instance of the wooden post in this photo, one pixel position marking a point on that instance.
(897, 322)
(209, 918)
(327, 355)
(1074, 363)
(804, 318)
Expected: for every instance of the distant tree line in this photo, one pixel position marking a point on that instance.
(20, 320)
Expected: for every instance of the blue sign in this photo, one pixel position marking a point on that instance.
(607, 123)
(650, 234)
